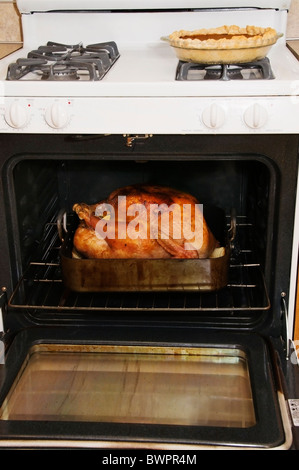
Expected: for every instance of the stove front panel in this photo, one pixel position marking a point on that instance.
(149, 115)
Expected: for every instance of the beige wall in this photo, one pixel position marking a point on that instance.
(293, 20)
(10, 27)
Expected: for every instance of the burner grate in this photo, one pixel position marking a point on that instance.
(61, 62)
(257, 70)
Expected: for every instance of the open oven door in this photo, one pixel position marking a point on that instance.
(141, 388)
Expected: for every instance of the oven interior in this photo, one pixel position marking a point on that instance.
(40, 188)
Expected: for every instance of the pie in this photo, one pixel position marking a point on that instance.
(224, 37)
(225, 44)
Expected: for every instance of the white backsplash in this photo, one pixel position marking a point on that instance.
(10, 26)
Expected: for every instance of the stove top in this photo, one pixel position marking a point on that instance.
(61, 62)
(110, 71)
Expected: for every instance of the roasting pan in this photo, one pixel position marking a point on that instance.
(149, 275)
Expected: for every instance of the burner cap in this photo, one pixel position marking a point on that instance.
(216, 72)
(60, 72)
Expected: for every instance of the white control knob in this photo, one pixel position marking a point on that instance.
(213, 116)
(255, 116)
(17, 115)
(57, 116)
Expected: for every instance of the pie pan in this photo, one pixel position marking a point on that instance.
(223, 45)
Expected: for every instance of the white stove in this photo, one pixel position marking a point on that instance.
(139, 92)
(82, 80)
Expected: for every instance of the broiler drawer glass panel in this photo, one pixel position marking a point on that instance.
(133, 384)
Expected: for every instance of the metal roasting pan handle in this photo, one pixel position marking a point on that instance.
(233, 226)
(61, 224)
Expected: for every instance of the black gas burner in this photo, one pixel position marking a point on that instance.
(257, 70)
(62, 62)
(61, 71)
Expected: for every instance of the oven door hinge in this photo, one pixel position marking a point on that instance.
(3, 303)
(285, 324)
(294, 410)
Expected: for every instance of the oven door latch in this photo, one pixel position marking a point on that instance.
(131, 139)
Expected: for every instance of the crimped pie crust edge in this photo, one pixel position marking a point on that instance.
(246, 37)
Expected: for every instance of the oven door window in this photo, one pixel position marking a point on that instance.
(133, 384)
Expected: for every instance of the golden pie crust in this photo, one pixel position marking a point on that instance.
(223, 44)
(224, 37)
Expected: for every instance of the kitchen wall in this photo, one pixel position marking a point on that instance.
(10, 25)
(293, 21)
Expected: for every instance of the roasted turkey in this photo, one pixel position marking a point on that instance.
(143, 221)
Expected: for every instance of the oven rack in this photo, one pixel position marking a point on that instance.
(41, 287)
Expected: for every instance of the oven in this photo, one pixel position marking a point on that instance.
(150, 352)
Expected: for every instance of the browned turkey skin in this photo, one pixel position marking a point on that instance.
(143, 221)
